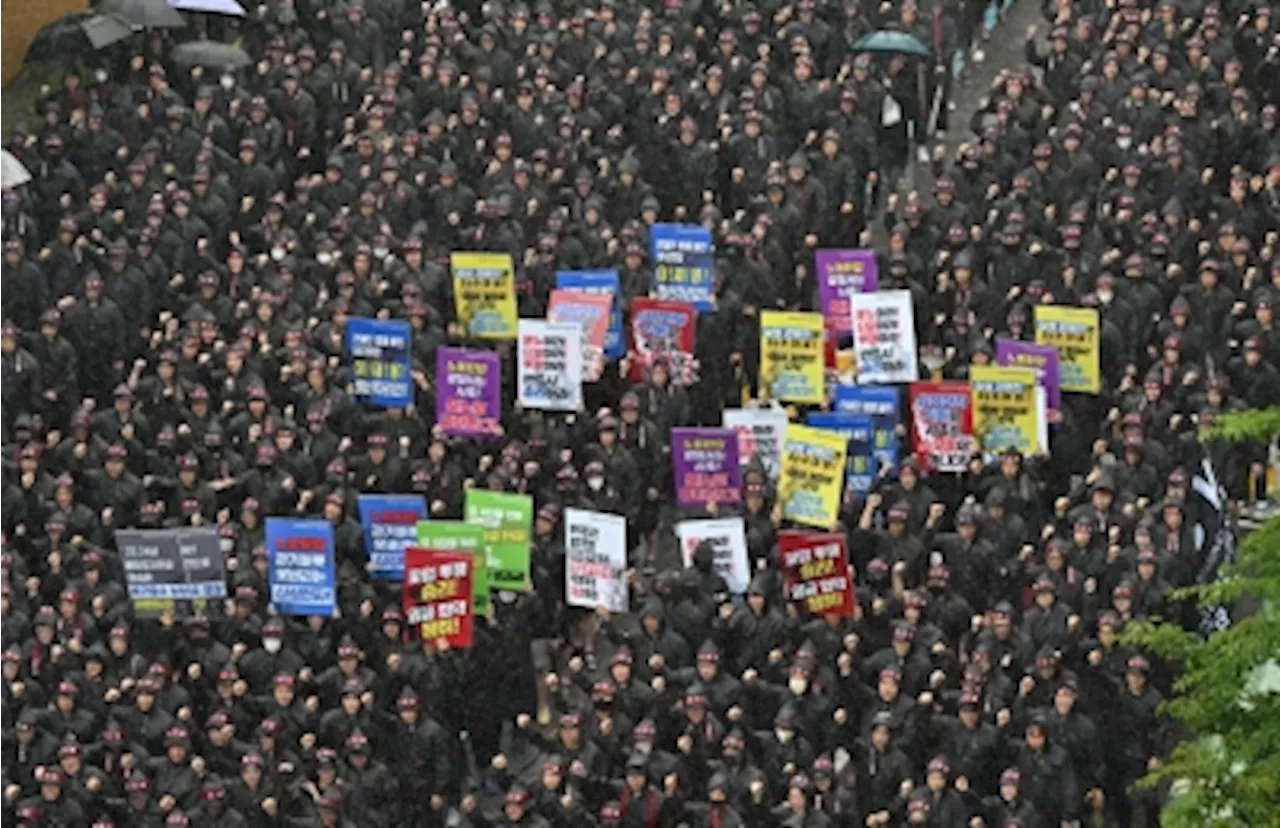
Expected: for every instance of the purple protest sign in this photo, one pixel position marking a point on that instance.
(842, 273)
(705, 464)
(1044, 358)
(468, 392)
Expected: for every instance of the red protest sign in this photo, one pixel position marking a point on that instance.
(815, 572)
(438, 595)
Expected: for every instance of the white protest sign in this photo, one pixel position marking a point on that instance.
(549, 374)
(728, 539)
(884, 337)
(760, 432)
(595, 552)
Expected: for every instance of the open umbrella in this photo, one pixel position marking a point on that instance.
(145, 14)
(893, 42)
(76, 35)
(228, 7)
(211, 54)
(12, 173)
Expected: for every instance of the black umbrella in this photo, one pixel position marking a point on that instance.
(76, 35)
(145, 14)
(211, 54)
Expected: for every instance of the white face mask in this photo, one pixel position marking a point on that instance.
(595, 483)
(797, 685)
(380, 252)
(1105, 296)
(101, 75)
(272, 645)
(1124, 143)
(324, 259)
(784, 734)
(277, 254)
(227, 81)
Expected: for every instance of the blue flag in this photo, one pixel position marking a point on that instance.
(301, 569)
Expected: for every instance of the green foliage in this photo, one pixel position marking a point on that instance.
(1227, 775)
(1252, 424)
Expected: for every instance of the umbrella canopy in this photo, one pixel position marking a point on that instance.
(211, 54)
(228, 7)
(144, 14)
(890, 41)
(76, 35)
(12, 173)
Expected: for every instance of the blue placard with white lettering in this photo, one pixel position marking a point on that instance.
(390, 526)
(862, 465)
(379, 353)
(683, 264)
(301, 569)
(883, 406)
(605, 283)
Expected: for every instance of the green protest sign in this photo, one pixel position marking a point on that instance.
(508, 525)
(456, 536)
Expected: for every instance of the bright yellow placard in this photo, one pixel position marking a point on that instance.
(1077, 334)
(812, 477)
(484, 294)
(792, 356)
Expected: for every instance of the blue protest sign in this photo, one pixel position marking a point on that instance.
(859, 430)
(883, 406)
(390, 526)
(606, 283)
(683, 264)
(379, 354)
(300, 566)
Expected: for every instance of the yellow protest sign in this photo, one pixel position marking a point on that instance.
(791, 356)
(484, 294)
(1005, 413)
(812, 476)
(1077, 334)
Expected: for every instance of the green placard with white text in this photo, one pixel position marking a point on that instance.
(508, 524)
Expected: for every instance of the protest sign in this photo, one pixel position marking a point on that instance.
(840, 274)
(663, 330)
(300, 566)
(728, 540)
(815, 572)
(704, 463)
(813, 470)
(683, 264)
(884, 337)
(508, 524)
(942, 422)
(760, 432)
(862, 464)
(379, 353)
(456, 536)
(595, 551)
(1043, 358)
(549, 365)
(792, 349)
(484, 294)
(1004, 408)
(468, 392)
(163, 567)
(439, 597)
(390, 524)
(882, 406)
(590, 313)
(1077, 334)
(604, 283)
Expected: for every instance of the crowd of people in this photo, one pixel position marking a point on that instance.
(177, 278)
